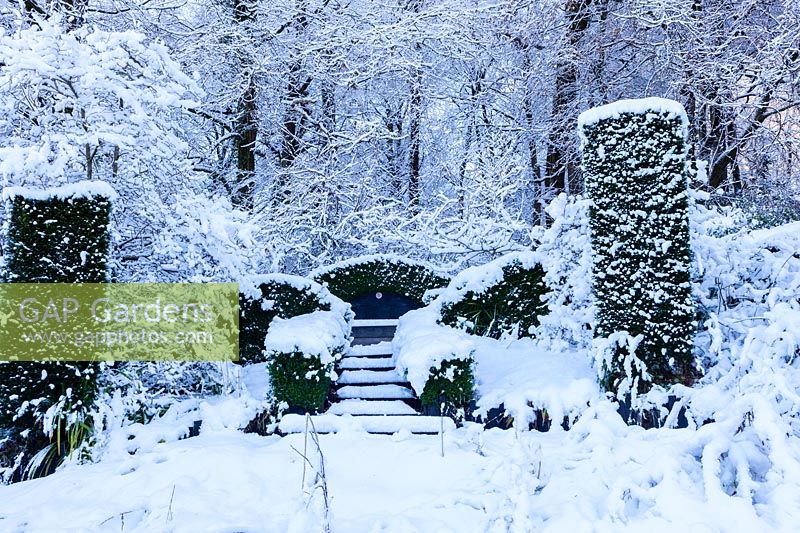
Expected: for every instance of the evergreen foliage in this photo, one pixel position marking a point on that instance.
(56, 236)
(634, 159)
(300, 381)
(513, 302)
(59, 239)
(378, 273)
(452, 383)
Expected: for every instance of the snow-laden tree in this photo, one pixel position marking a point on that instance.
(634, 159)
(441, 129)
(89, 104)
(207, 239)
(94, 104)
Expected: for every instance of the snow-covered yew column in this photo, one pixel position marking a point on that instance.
(58, 235)
(634, 162)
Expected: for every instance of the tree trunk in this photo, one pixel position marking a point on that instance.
(415, 158)
(562, 165)
(246, 125)
(245, 142)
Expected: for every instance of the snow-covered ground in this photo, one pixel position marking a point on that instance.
(600, 476)
(736, 467)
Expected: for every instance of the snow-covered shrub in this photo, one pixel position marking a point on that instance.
(203, 240)
(502, 296)
(54, 235)
(301, 353)
(749, 294)
(264, 297)
(206, 239)
(564, 248)
(765, 203)
(147, 387)
(436, 359)
(452, 383)
(379, 273)
(634, 161)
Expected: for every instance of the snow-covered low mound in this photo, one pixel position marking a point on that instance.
(321, 334)
(523, 377)
(420, 344)
(519, 374)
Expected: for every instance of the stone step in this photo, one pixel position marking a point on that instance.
(360, 332)
(329, 423)
(369, 341)
(363, 363)
(380, 349)
(368, 377)
(375, 322)
(375, 392)
(371, 407)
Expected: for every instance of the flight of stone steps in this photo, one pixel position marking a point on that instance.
(370, 393)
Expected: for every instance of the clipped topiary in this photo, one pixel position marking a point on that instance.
(502, 296)
(436, 360)
(264, 297)
(634, 161)
(58, 235)
(301, 353)
(380, 273)
(452, 383)
(301, 382)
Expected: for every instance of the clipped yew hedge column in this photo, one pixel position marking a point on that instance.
(634, 162)
(58, 235)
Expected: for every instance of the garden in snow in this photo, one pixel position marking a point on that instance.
(463, 304)
(637, 367)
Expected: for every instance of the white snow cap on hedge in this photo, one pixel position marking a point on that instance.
(420, 343)
(81, 189)
(322, 334)
(249, 286)
(638, 106)
(479, 278)
(383, 258)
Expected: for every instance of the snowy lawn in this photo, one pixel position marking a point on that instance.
(599, 476)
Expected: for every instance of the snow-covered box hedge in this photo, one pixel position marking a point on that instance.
(264, 297)
(436, 359)
(380, 273)
(504, 295)
(58, 235)
(301, 354)
(634, 161)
